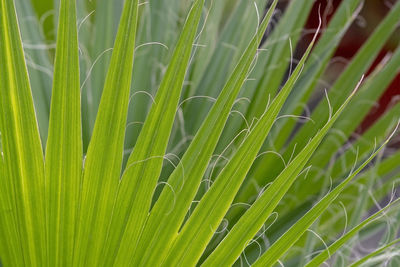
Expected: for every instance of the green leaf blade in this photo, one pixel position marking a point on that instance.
(104, 27)
(355, 112)
(328, 252)
(350, 76)
(375, 253)
(104, 157)
(38, 63)
(196, 232)
(288, 239)
(23, 156)
(314, 68)
(164, 221)
(10, 249)
(63, 161)
(255, 217)
(145, 163)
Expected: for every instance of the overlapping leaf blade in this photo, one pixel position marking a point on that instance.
(287, 240)
(10, 249)
(254, 218)
(196, 232)
(63, 161)
(344, 163)
(38, 63)
(319, 60)
(375, 253)
(164, 221)
(158, 33)
(102, 165)
(329, 251)
(349, 78)
(23, 156)
(314, 68)
(368, 94)
(282, 40)
(229, 48)
(364, 144)
(145, 163)
(100, 49)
